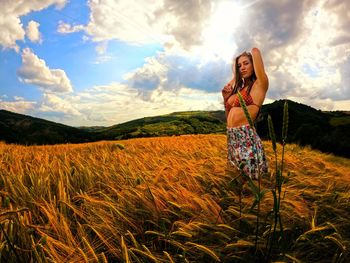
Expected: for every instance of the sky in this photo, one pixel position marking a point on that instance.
(104, 62)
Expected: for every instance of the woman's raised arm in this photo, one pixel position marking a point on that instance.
(259, 68)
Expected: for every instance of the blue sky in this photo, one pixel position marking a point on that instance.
(102, 62)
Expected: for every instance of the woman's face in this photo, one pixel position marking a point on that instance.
(245, 67)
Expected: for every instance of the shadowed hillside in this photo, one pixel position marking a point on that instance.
(326, 131)
(165, 199)
(22, 129)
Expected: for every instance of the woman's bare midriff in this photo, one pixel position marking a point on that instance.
(236, 116)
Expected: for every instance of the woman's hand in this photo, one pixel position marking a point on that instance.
(227, 90)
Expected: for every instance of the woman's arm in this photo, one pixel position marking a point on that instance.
(259, 68)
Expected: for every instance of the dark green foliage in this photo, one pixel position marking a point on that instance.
(308, 126)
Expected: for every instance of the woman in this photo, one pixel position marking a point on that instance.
(244, 144)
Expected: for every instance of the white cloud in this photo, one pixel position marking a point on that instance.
(124, 20)
(111, 104)
(18, 98)
(342, 105)
(11, 27)
(102, 55)
(65, 28)
(184, 20)
(306, 55)
(116, 103)
(33, 32)
(341, 8)
(54, 103)
(304, 45)
(35, 71)
(19, 105)
(149, 76)
(171, 71)
(50, 107)
(101, 48)
(168, 22)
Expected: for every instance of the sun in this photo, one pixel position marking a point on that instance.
(219, 35)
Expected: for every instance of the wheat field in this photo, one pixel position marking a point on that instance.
(165, 199)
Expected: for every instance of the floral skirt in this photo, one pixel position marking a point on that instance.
(245, 146)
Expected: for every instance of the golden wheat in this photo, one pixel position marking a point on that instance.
(163, 199)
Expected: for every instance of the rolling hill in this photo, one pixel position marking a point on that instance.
(326, 131)
(23, 129)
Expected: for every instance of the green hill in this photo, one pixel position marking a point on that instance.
(178, 123)
(326, 131)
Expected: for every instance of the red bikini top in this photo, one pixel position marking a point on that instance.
(246, 97)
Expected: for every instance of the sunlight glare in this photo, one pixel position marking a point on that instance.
(218, 37)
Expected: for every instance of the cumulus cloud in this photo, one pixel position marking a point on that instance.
(18, 104)
(341, 8)
(344, 91)
(116, 103)
(142, 22)
(111, 104)
(50, 106)
(301, 62)
(208, 76)
(124, 20)
(149, 76)
(53, 103)
(33, 32)
(303, 44)
(171, 72)
(65, 28)
(35, 71)
(11, 27)
(184, 20)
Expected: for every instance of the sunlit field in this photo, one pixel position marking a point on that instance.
(166, 199)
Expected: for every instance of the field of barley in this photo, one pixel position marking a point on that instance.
(167, 199)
